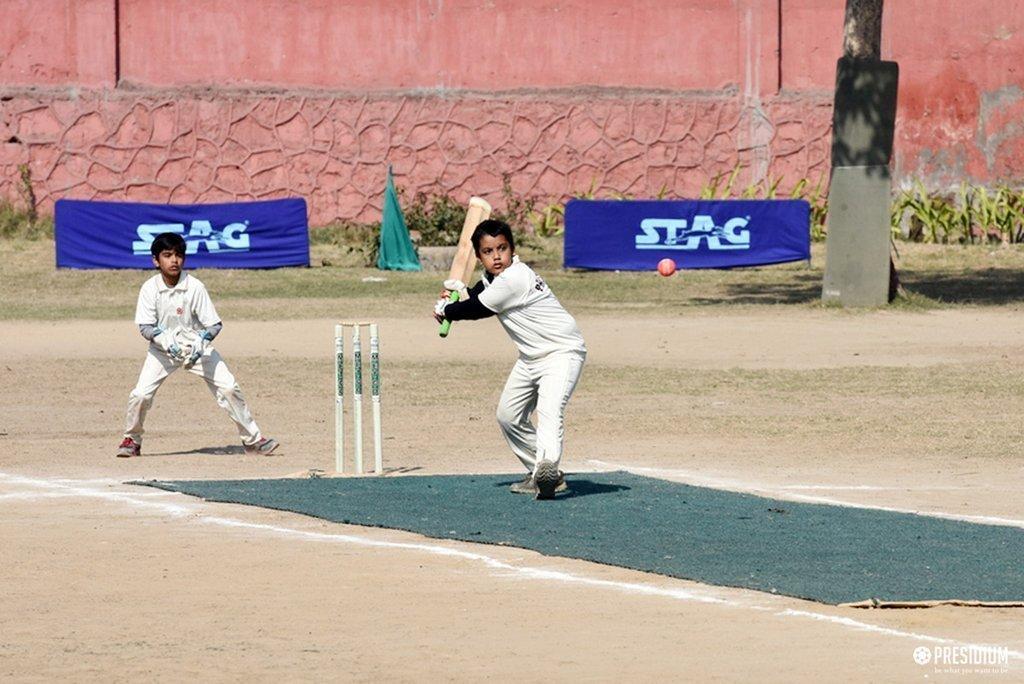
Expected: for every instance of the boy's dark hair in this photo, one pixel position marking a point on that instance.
(494, 228)
(165, 241)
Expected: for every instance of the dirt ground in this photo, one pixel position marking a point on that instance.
(100, 580)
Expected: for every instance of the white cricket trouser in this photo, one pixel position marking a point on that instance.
(211, 368)
(544, 385)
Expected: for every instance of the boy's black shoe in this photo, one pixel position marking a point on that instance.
(547, 477)
(528, 486)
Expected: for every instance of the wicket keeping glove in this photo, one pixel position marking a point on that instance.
(165, 341)
(199, 348)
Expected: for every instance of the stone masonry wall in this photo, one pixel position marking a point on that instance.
(182, 147)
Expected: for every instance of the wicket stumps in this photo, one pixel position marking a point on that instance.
(357, 395)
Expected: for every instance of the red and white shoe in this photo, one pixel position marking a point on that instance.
(129, 447)
(261, 448)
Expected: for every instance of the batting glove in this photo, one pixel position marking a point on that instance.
(453, 285)
(439, 309)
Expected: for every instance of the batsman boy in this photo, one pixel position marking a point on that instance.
(551, 354)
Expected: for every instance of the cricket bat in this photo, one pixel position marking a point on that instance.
(465, 260)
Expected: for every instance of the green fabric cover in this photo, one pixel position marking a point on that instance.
(396, 252)
(826, 553)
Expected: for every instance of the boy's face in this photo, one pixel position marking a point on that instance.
(169, 262)
(495, 253)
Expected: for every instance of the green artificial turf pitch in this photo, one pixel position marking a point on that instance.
(825, 553)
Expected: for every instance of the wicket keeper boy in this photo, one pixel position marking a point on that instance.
(175, 314)
(551, 354)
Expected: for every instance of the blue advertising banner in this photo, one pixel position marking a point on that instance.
(265, 234)
(635, 235)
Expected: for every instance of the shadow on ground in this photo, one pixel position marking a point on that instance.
(578, 488)
(989, 286)
(228, 450)
(800, 288)
(993, 286)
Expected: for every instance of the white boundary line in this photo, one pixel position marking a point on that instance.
(785, 492)
(870, 488)
(195, 513)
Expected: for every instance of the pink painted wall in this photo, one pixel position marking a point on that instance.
(812, 41)
(961, 99)
(57, 42)
(219, 100)
(961, 110)
(401, 44)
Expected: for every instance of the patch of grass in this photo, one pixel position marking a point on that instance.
(778, 385)
(915, 301)
(879, 409)
(339, 285)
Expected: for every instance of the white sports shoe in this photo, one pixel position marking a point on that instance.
(261, 448)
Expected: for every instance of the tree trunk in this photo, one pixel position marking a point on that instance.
(862, 39)
(862, 29)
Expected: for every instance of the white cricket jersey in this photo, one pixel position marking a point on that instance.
(531, 314)
(186, 305)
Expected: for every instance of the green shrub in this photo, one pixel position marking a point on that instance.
(436, 221)
(971, 214)
(358, 239)
(25, 224)
(17, 223)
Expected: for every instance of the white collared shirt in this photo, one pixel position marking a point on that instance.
(186, 305)
(531, 314)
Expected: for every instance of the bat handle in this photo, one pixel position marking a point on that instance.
(447, 325)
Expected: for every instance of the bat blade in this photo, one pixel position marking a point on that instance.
(465, 260)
